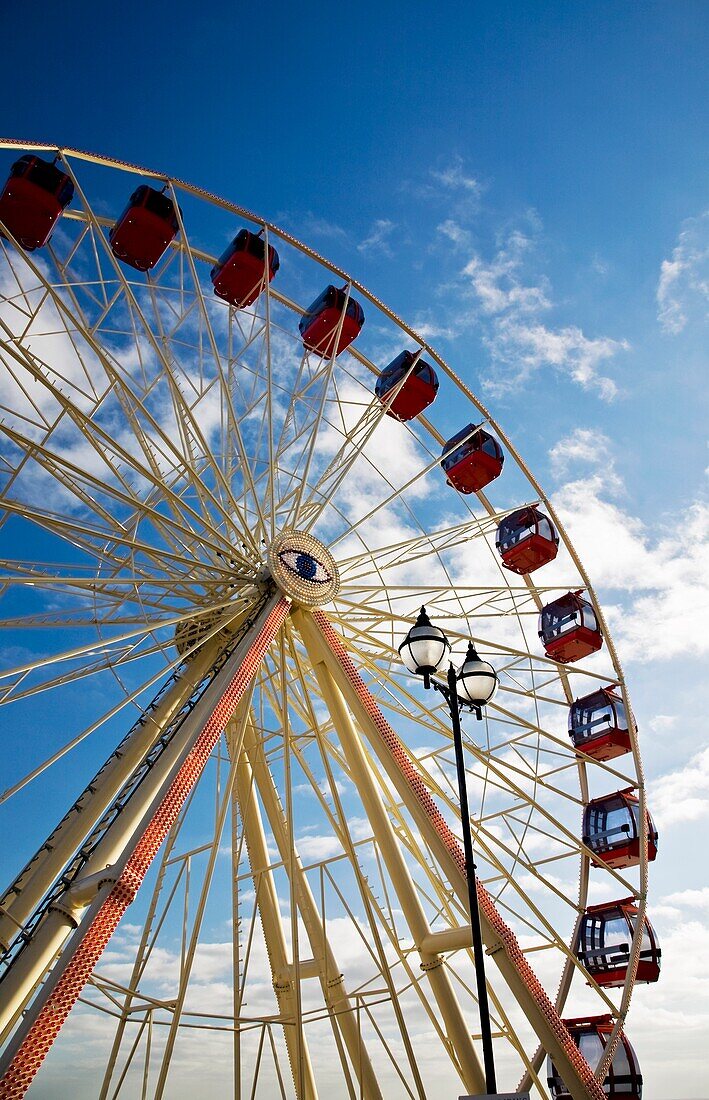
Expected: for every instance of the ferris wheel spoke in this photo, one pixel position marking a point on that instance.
(153, 588)
(338, 823)
(227, 399)
(120, 382)
(414, 845)
(185, 470)
(481, 601)
(72, 477)
(271, 487)
(111, 613)
(527, 991)
(110, 653)
(386, 502)
(298, 439)
(310, 450)
(312, 502)
(130, 698)
(397, 492)
(95, 542)
(355, 440)
(444, 996)
(531, 917)
(221, 499)
(120, 657)
(102, 615)
(409, 901)
(190, 945)
(266, 905)
(15, 363)
(407, 551)
(559, 745)
(305, 380)
(511, 658)
(501, 777)
(338, 1000)
(78, 332)
(58, 323)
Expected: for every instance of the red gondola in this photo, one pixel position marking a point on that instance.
(569, 629)
(526, 540)
(418, 391)
(605, 935)
(611, 829)
(239, 273)
(590, 1033)
(472, 459)
(598, 724)
(32, 200)
(319, 323)
(145, 228)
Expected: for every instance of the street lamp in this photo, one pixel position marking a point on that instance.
(477, 681)
(423, 651)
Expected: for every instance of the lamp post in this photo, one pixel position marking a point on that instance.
(423, 651)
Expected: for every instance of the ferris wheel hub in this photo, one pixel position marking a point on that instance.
(303, 568)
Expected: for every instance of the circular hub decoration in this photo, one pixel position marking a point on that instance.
(303, 569)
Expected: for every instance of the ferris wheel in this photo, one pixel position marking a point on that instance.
(230, 480)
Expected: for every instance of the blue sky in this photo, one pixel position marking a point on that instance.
(526, 184)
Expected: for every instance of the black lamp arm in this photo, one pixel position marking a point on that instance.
(447, 693)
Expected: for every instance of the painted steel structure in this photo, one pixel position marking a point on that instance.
(184, 471)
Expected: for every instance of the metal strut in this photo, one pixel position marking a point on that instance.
(499, 938)
(15, 984)
(23, 897)
(95, 902)
(468, 1064)
(122, 799)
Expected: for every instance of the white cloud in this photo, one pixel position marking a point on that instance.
(435, 329)
(692, 899)
(519, 340)
(313, 225)
(666, 575)
(583, 445)
(454, 232)
(324, 785)
(683, 795)
(523, 348)
(319, 847)
(600, 266)
(397, 453)
(499, 285)
(683, 286)
(455, 178)
(668, 1021)
(661, 723)
(378, 237)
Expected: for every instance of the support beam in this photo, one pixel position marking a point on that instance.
(448, 939)
(361, 774)
(142, 956)
(499, 940)
(34, 1037)
(188, 958)
(34, 959)
(26, 892)
(332, 981)
(271, 920)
